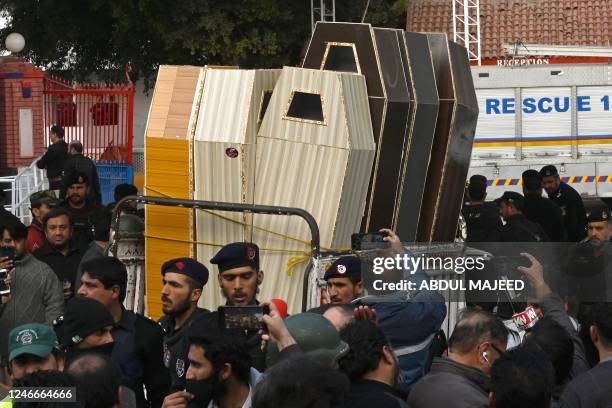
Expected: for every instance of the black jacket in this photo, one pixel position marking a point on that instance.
(368, 393)
(175, 344)
(591, 389)
(451, 385)
(519, 229)
(572, 209)
(139, 353)
(65, 267)
(80, 164)
(54, 158)
(546, 213)
(481, 220)
(84, 220)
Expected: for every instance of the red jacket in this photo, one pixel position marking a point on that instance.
(36, 237)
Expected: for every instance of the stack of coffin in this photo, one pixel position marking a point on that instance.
(416, 186)
(232, 106)
(315, 150)
(168, 172)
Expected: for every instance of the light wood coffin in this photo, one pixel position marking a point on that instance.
(315, 150)
(168, 172)
(453, 141)
(232, 106)
(375, 53)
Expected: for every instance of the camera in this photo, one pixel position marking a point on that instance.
(357, 240)
(5, 252)
(242, 318)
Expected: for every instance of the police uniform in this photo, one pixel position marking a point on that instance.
(139, 353)
(542, 210)
(175, 340)
(343, 267)
(571, 205)
(237, 255)
(517, 228)
(480, 219)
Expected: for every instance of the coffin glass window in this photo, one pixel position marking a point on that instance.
(340, 57)
(265, 101)
(305, 106)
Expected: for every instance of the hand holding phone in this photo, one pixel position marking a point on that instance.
(243, 318)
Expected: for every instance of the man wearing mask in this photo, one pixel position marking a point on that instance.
(568, 200)
(372, 367)
(41, 203)
(461, 380)
(219, 374)
(183, 279)
(83, 210)
(54, 158)
(35, 291)
(60, 251)
(85, 328)
(138, 347)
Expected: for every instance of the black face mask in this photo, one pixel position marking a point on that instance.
(104, 349)
(204, 391)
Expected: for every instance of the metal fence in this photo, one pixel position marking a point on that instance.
(28, 180)
(100, 116)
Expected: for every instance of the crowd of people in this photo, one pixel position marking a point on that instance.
(63, 322)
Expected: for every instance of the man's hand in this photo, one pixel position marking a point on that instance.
(535, 276)
(6, 263)
(393, 239)
(177, 400)
(365, 313)
(8, 280)
(277, 330)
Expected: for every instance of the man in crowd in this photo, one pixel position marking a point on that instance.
(184, 279)
(36, 293)
(77, 163)
(522, 377)
(481, 218)
(138, 341)
(54, 158)
(83, 211)
(517, 228)
(33, 347)
(41, 203)
(461, 379)
(220, 374)
(542, 210)
(372, 367)
(594, 388)
(60, 251)
(85, 328)
(568, 200)
(343, 280)
(122, 191)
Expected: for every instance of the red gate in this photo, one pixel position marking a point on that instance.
(100, 116)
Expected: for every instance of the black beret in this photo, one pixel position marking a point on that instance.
(188, 267)
(532, 179)
(344, 267)
(83, 317)
(548, 171)
(598, 215)
(76, 178)
(237, 255)
(512, 198)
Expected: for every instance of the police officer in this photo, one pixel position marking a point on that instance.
(184, 279)
(542, 210)
(481, 218)
(517, 228)
(138, 347)
(568, 200)
(343, 279)
(239, 279)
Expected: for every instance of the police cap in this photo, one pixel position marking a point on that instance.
(549, 171)
(237, 255)
(599, 215)
(188, 267)
(513, 198)
(344, 267)
(532, 179)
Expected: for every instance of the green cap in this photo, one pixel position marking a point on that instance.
(35, 338)
(43, 197)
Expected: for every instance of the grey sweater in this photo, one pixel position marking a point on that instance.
(36, 297)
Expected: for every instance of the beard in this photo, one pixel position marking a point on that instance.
(177, 309)
(204, 391)
(76, 199)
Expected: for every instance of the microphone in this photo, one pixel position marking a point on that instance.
(281, 306)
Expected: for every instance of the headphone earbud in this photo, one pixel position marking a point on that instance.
(485, 355)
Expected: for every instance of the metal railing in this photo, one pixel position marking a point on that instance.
(27, 181)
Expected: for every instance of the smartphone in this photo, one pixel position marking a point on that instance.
(244, 318)
(508, 264)
(7, 252)
(357, 240)
(4, 288)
